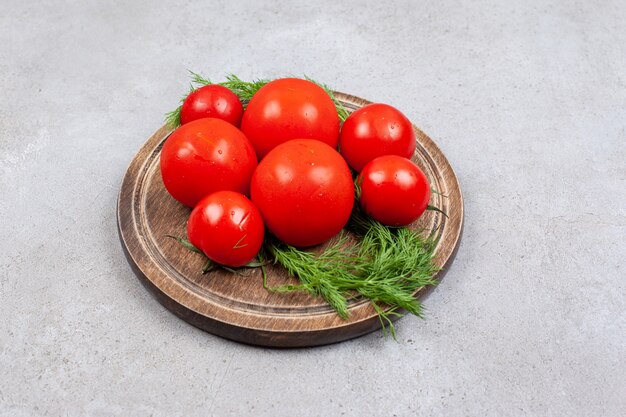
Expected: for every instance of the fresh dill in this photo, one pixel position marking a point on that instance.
(185, 243)
(242, 89)
(319, 274)
(386, 266)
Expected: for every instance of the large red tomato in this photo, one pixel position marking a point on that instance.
(205, 156)
(212, 101)
(394, 190)
(375, 130)
(304, 191)
(227, 227)
(290, 108)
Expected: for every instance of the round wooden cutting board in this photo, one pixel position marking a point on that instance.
(237, 306)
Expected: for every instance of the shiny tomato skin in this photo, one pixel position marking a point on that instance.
(204, 156)
(290, 108)
(394, 190)
(227, 228)
(304, 191)
(375, 130)
(214, 101)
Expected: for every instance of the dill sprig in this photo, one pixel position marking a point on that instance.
(242, 89)
(386, 266)
(399, 261)
(211, 265)
(185, 243)
(319, 274)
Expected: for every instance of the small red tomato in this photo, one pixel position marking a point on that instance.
(304, 190)
(394, 190)
(212, 101)
(290, 108)
(375, 130)
(227, 227)
(205, 156)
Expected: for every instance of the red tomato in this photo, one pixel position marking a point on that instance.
(304, 191)
(290, 108)
(212, 101)
(394, 190)
(227, 227)
(205, 156)
(375, 130)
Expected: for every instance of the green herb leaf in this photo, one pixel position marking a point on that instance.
(316, 272)
(437, 209)
(386, 266)
(209, 266)
(172, 119)
(187, 244)
(432, 190)
(242, 89)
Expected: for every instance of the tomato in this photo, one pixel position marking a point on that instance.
(304, 190)
(394, 190)
(205, 156)
(212, 101)
(290, 108)
(227, 227)
(375, 130)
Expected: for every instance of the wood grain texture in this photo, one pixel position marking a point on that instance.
(238, 307)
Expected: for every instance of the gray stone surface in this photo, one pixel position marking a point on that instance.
(528, 101)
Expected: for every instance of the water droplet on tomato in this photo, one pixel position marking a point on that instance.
(219, 151)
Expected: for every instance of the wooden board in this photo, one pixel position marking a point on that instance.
(238, 307)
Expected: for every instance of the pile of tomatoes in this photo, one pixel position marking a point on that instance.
(275, 165)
